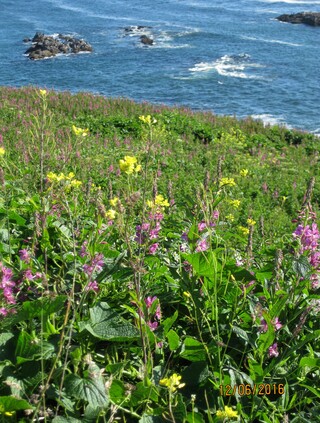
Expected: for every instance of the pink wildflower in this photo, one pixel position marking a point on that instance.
(202, 226)
(202, 245)
(92, 286)
(276, 323)
(24, 255)
(263, 326)
(153, 325)
(153, 248)
(273, 350)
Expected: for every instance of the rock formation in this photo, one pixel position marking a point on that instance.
(308, 18)
(44, 46)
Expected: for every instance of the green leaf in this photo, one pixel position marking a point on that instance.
(106, 324)
(315, 391)
(117, 392)
(9, 404)
(143, 393)
(29, 348)
(36, 308)
(90, 389)
(167, 323)
(60, 419)
(203, 264)
(173, 339)
(193, 350)
(301, 266)
(195, 374)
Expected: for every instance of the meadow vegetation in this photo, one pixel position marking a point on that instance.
(156, 264)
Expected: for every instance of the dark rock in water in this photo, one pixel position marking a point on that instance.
(308, 18)
(146, 40)
(136, 28)
(26, 40)
(44, 46)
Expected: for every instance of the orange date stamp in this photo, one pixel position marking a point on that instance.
(259, 389)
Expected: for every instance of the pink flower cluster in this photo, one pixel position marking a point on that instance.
(157, 315)
(309, 240)
(149, 231)
(7, 286)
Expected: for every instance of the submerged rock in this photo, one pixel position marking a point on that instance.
(44, 46)
(146, 40)
(308, 18)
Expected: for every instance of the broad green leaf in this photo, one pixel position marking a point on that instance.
(9, 404)
(173, 340)
(193, 350)
(90, 388)
(42, 306)
(117, 392)
(143, 393)
(195, 374)
(203, 264)
(168, 322)
(106, 324)
(301, 266)
(29, 348)
(60, 419)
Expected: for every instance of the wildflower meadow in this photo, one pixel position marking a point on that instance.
(156, 264)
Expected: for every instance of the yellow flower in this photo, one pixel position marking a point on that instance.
(128, 165)
(230, 217)
(43, 93)
(161, 201)
(234, 203)
(111, 214)
(80, 131)
(75, 183)
(114, 201)
(227, 181)
(251, 222)
(148, 119)
(244, 172)
(227, 413)
(173, 382)
(187, 294)
(2, 151)
(245, 231)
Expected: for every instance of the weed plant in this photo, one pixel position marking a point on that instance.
(156, 264)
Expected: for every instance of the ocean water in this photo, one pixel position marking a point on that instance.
(230, 57)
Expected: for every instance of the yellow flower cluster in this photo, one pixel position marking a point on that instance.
(230, 217)
(159, 202)
(2, 151)
(234, 203)
(43, 93)
(227, 413)
(111, 214)
(71, 182)
(114, 201)
(251, 222)
(227, 181)
(79, 131)
(243, 230)
(148, 119)
(129, 165)
(172, 382)
(244, 172)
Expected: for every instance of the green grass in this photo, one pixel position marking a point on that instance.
(148, 267)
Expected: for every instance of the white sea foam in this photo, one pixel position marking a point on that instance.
(269, 119)
(271, 41)
(236, 66)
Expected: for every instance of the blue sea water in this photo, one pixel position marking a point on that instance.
(230, 57)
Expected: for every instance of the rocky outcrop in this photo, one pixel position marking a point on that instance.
(146, 40)
(44, 46)
(308, 18)
(141, 32)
